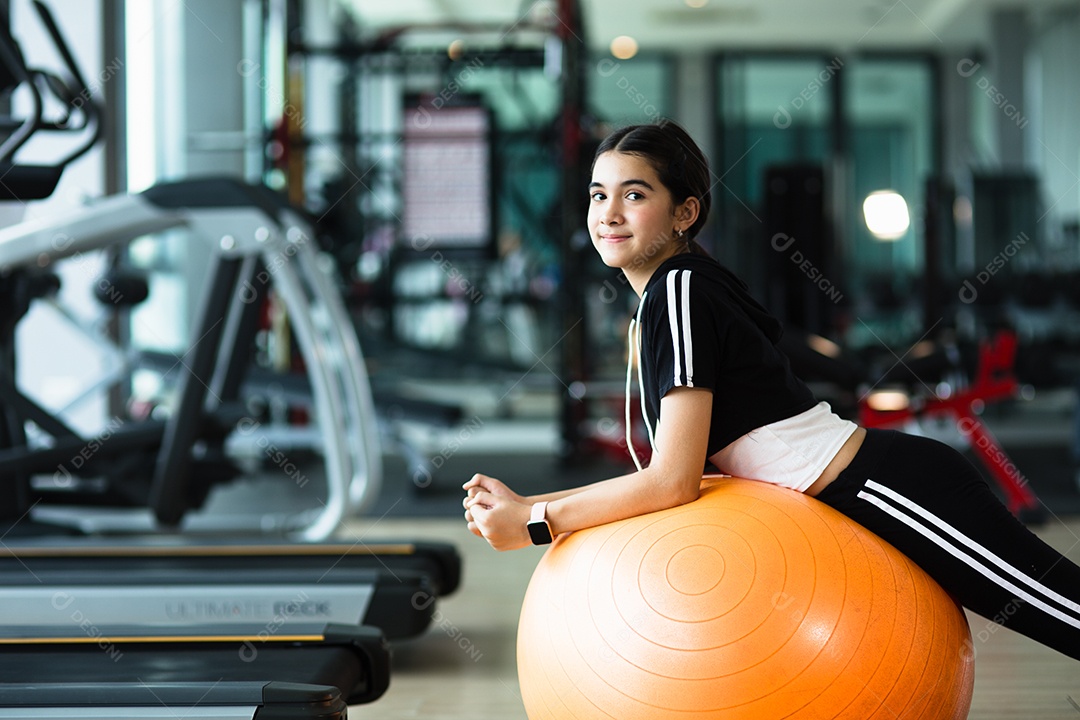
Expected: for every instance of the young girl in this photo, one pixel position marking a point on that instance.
(709, 366)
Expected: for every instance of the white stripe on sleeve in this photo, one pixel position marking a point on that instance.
(688, 345)
(673, 322)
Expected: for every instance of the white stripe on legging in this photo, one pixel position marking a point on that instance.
(673, 323)
(688, 346)
(972, 545)
(964, 557)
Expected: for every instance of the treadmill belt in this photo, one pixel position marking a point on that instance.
(273, 676)
(440, 562)
(391, 586)
(172, 701)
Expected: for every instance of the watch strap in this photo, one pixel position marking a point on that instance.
(539, 512)
(538, 526)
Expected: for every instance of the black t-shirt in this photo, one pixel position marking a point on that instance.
(700, 328)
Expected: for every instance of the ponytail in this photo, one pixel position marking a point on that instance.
(695, 248)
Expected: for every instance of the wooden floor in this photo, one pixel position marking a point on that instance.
(464, 667)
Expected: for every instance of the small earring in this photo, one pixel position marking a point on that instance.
(681, 233)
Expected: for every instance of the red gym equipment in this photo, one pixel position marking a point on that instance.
(994, 380)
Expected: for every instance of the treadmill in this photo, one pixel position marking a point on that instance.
(104, 660)
(254, 672)
(173, 583)
(392, 584)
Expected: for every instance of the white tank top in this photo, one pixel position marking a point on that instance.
(792, 452)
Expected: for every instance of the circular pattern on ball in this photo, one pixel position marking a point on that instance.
(753, 601)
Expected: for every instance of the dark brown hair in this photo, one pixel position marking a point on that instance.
(678, 161)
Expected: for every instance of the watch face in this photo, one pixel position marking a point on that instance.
(539, 532)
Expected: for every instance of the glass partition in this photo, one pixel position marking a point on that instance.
(888, 111)
(803, 141)
(776, 114)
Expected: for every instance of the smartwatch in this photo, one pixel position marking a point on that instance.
(539, 529)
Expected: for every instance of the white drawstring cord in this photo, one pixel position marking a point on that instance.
(629, 369)
(641, 396)
(633, 346)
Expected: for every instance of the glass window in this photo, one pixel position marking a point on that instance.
(793, 175)
(888, 112)
(888, 109)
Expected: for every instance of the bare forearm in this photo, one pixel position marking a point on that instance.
(673, 477)
(560, 494)
(638, 493)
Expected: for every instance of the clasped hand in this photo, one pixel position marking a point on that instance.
(496, 513)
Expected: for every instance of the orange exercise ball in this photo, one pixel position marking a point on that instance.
(753, 601)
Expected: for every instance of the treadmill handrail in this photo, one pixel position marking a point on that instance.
(104, 223)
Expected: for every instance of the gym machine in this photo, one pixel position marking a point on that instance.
(383, 582)
(171, 584)
(255, 672)
(259, 238)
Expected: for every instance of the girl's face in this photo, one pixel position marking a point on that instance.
(632, 217)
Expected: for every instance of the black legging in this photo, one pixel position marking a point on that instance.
(930, 503)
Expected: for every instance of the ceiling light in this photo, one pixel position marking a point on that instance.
(886, 214)
(697, 3)
(624, 47)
